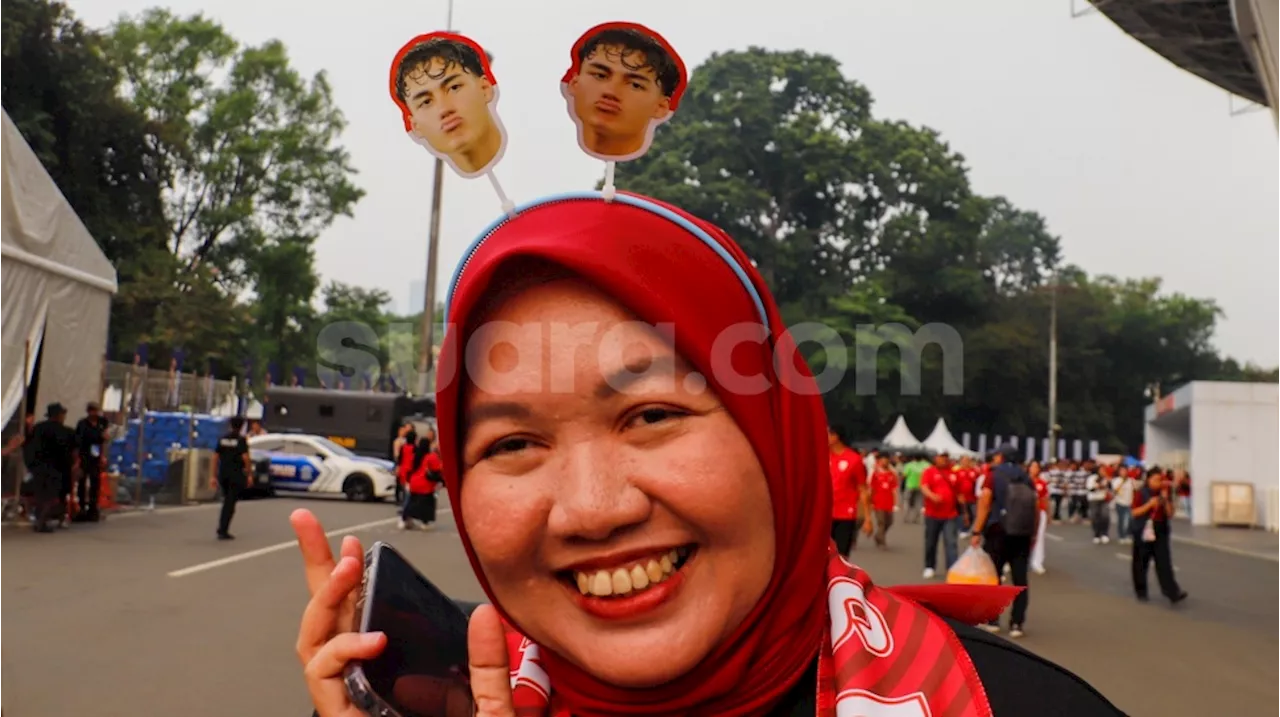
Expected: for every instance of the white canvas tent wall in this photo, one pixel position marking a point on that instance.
(900, 436)
(941, 441)
(56, 287)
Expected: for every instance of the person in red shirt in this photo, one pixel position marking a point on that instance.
(402, 451)
(424, 478)
(1152, 508)
(966, 492)
(884, 498)
(848, 492)
(939, 487)
(1042, 503)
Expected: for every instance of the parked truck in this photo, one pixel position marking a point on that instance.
(363, 421)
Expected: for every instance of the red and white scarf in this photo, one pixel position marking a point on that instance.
(884, 654)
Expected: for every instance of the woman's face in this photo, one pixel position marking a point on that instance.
(620, 515)
(1034, 469)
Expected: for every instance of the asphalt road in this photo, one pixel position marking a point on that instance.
(147, 614)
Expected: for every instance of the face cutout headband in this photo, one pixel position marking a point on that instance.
(448, 100)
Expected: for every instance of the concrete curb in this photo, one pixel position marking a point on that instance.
(1225, 549)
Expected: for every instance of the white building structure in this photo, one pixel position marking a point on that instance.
(57, 289)
(1220, 432)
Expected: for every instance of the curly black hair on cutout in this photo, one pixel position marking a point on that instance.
(451, 52)
(656, 57)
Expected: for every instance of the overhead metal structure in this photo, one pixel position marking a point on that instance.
(1199, 36)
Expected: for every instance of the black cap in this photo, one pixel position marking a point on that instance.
(55, 409)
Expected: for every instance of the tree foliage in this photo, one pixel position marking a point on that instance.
(870, 226)
(206, 170)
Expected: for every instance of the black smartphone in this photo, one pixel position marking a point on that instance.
(422, 672)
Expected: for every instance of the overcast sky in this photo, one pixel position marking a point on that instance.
(1138, 166)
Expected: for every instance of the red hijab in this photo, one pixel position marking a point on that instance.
(668, 267)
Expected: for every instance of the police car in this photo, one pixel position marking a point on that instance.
(299, 463)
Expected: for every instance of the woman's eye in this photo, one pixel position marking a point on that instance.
(507, 445)
(652, 416)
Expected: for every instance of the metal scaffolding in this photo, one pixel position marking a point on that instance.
(1200, 36)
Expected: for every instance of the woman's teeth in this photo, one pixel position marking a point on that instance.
(626, 580)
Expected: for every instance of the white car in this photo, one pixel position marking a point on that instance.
(302, 463)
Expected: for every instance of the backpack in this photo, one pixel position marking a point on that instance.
(1020, 508)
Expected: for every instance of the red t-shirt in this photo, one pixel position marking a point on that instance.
(1140, 497)
(848, 477)
(942, 483)
(1042, 492)
(966, 483)
(406, 463)
(884, 490)
(420, 481)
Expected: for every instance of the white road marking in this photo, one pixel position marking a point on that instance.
(1123, 556)
(1051, 536)
(134, 513)
(272, 549)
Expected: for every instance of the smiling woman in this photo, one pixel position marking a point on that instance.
(653, 541)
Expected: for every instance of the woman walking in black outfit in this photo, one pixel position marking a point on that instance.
(1152, 509)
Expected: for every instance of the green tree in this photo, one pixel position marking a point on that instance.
(254, 168)
(60, 90)
(352, 335)
(762, 145)
(282, 316)
(251, 145)
(857, 221)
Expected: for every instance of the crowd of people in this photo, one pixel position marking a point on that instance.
(418, 475)
(62, 466)
(1005, 506)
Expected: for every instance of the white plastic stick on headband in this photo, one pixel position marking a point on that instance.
(508, 206)
(609, 190)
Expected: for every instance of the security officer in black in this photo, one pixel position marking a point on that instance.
(53, 460)
(91, 438)
(233, 473)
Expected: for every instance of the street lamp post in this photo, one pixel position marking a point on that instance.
(1053, 369)
(426, 356)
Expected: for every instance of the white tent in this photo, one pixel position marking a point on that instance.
(941, 441)
(56, 288)
(900, 436)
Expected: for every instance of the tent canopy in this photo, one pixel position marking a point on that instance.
(941, 441)
(57, 287)
(901, 438)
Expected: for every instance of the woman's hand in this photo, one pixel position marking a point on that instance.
(489, 666)
(325, 641)
(326, 644)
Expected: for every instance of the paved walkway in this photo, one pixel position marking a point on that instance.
(1241, 541)
(148, 614)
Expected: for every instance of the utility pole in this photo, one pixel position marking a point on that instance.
(1053, 369)
(426, 357)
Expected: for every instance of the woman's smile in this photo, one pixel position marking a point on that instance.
(620, 589)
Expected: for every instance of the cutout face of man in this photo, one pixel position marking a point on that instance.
(442, 87)
(621, 90)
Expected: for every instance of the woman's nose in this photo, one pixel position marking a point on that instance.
(595, 497)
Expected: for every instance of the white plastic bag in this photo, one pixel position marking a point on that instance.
(974, 567)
